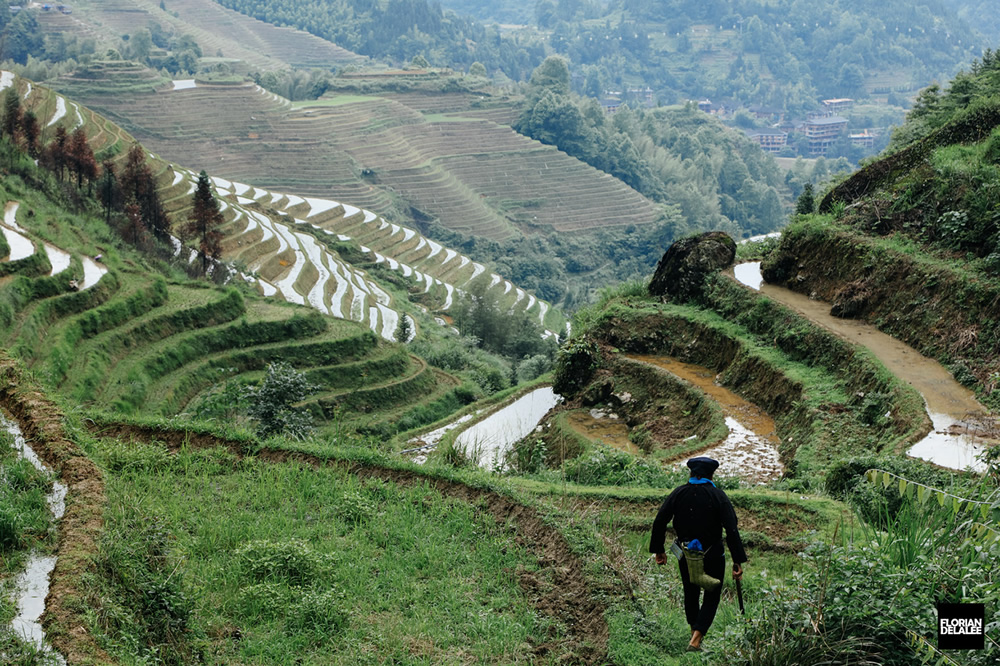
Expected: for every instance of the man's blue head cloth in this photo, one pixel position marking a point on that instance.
(702, 467)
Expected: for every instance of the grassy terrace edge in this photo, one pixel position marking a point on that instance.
(811, 382)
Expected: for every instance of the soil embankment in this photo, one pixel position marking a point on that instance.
(81, 525)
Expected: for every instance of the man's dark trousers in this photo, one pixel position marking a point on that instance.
(700, 619)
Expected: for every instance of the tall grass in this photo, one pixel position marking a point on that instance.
(280, 563)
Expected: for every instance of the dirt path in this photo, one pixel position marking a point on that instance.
(559, 589)
(958, 418)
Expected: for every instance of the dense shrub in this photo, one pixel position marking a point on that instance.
(611, 467)
(845, 481)
(288, 562)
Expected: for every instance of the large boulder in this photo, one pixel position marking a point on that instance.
(681, 273)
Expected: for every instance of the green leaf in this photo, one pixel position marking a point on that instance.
(886, 479)
(923, 493)
(902, 487)
(872, 475)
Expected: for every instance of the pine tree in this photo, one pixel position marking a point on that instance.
(204, 222)
(30, 133)
(55, 156)
(109, 190)
(134, 229)
(806, 203)
(81, 157)
(137, 181)
(404, 329)
(11, 114)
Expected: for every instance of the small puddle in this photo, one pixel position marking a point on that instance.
(750, 451)
(32, 585)
(603, 427)
(487, 441)
(961, 425)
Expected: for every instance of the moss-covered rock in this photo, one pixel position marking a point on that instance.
(681, 273)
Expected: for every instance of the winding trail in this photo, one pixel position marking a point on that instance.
(957, 416)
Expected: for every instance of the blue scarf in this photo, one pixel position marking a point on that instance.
(699, 482)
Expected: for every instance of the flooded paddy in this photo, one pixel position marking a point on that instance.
(959, 433)
(604, 427)
(32, 584)
(750, 451)
(488, 440)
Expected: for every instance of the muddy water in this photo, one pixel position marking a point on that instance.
(32, 584)
(603, 427)
(487, 441)
(953, 409)
(750, 451)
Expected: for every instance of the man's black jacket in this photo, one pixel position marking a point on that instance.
(699, 511)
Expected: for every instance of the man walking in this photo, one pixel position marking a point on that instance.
(700, 511)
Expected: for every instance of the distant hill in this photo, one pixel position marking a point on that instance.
(785, 54)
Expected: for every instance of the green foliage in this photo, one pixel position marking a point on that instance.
(402, 30)
(610, 467)
(320, 615)
(576, 362)
(271, 402)
(266, 542)
(24, 515)
(533, 367)
(717, 177)
(846, 481)
(404, 329)
(921, 554)
(20, 652)
(526, 456)
(437, 409)
(508, 331)
(756, 250)
(806, 203)
(146, 605)
(289, 562)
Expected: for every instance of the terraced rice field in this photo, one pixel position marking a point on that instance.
(216, 29)
(393, 154)
(289, 243)
(106, 333)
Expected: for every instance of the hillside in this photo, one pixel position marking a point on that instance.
(785, 55)
(112, 357)
(218, 32)
(473, 175)
(928, 212)
(190, 538)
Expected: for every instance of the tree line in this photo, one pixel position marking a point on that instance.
(128, 195)
(718, 177)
